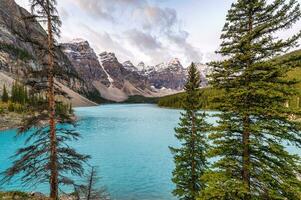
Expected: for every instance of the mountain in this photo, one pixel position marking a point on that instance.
(21, 41)
(125, 79)
(171, 75)
(208, 94)
(118, 81)
(86, 75)
(86, 63)
(204, 72)
(113, 80)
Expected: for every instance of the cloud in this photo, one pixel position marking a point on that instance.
(180, 39)
(165, 22)
(106, 9)
(155, 17)
(143, 41)
(64, 13)
(103, 41)
(139, 28)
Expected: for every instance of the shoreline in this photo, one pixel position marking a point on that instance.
(11, 120)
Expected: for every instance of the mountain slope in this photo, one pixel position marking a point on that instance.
(21, 41)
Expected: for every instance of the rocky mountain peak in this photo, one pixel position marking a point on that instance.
(108, 57)
(129, 66)
(86, 62)
(78, 40)
(175, 62)
(141, 66)
(78, 49)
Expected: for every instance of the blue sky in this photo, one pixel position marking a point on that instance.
(152, 31)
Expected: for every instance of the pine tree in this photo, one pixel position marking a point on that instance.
(47, 156)
(189, 158)
(13, 92)
(254, 124)
(5, 97)
(45, 11)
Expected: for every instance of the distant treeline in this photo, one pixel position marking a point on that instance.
(20, 98)
(206, 96)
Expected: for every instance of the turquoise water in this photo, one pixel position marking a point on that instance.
(128, 143)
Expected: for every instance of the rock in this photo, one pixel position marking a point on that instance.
(171, 75)
(85, 62)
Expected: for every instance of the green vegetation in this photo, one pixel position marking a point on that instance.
(247, 144)
(141, 99)
(15, 195)
(46, 155)
(295, 74)
(20, 100)
(15, 51)
(206, 99)
(190, 158)
(95, 97)
(4, 97)
(207, 95)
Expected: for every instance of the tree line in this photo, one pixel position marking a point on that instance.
(242, 156)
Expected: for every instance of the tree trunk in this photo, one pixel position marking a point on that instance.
(51, 104)
(193, 162)
(90, 184)
(246, 155)
(246, 163)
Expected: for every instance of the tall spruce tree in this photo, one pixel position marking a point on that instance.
(5, 97)
(189, 158)
(254, 125)
(47, 156)
(46, 12)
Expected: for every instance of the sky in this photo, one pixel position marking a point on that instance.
(152, 31)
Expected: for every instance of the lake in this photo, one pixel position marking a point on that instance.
(128, 143)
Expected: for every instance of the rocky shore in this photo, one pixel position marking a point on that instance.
(10, 120)
(16, 195)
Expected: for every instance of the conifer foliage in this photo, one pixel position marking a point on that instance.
(190, 159)
(4, 96)
(255, 124)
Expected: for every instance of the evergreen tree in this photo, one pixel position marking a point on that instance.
(254, 125)
(46, 12)
(5, 97)
(13, 92)
(189, 158)
(47, 156)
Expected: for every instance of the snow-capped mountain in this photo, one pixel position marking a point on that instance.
(129, 66)
(204, 70)
(117, 81)
(170, 75)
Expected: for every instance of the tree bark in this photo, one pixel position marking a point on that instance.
(193, 163)
(246, 162)
(90, 184)
(51, 104)
(246, 155)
